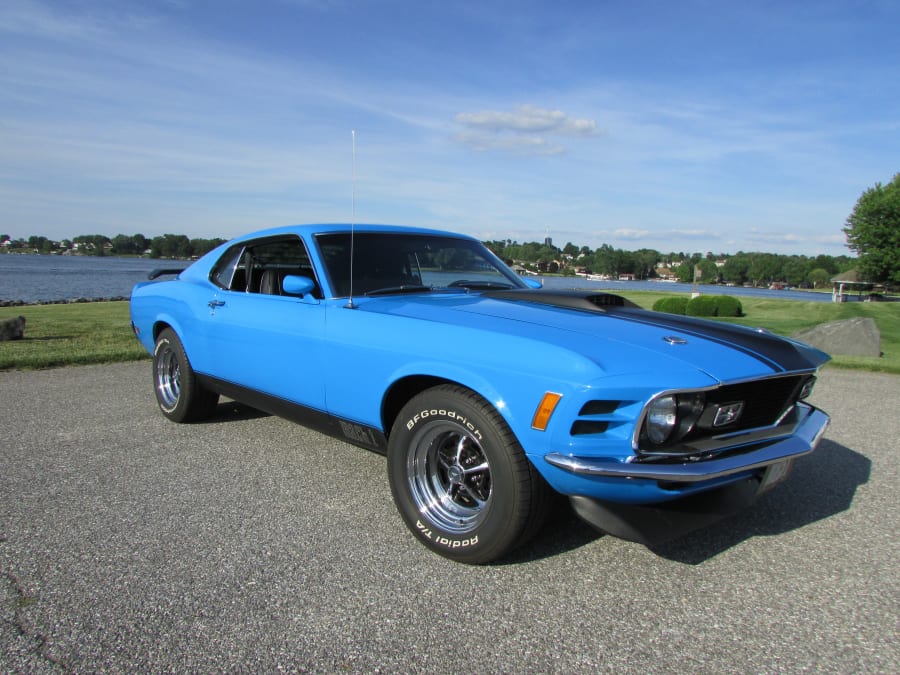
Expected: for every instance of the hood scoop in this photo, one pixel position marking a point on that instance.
(588, 301)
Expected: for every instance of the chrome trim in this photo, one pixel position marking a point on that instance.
(807, 435)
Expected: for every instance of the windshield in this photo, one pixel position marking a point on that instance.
(386, 262)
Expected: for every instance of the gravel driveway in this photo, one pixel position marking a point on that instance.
(128, 543)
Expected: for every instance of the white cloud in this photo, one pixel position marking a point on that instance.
(630, 234)
(529, 119)
(756, 235)
(524, 130)
(692, 234)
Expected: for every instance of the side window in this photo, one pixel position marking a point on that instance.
(268, 262)
(229, 272)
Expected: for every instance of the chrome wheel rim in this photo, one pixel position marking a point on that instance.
(449, 477)
(168, 377)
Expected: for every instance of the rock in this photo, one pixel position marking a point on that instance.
(12, 328)
(853, 337)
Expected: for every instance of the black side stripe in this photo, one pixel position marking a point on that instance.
(358, 434)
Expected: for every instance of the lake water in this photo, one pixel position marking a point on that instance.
(49, 278)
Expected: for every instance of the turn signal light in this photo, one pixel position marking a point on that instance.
(545, 410)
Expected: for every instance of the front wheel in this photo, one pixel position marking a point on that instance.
(460, 478)
(180, 396)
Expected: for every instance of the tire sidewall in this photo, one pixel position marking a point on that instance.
(499, 528)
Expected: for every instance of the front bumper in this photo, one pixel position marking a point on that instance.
(756, 466)
(749, 454)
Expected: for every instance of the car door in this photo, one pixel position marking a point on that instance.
(259, 337)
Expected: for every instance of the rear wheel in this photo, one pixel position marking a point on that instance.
(460, 479)
(180, 396)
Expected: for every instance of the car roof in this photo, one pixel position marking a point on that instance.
(331, 228)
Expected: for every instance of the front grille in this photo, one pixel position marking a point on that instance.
(765, 404)
(765, 401)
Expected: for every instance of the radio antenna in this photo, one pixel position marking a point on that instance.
(350, 304)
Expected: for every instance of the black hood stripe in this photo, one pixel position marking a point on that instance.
(775, 352)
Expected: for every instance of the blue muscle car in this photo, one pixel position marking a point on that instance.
(487, 394)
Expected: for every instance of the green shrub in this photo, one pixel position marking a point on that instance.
(714, 305)
(702, 305)
(676, 304)
(729, 305)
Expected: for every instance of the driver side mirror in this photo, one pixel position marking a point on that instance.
(294, 284)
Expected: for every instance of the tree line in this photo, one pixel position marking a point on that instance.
(758, 269)
(163, 246)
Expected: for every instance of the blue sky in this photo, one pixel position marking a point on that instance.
(680, 126)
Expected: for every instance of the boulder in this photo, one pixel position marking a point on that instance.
(853, 337)
(12, 328)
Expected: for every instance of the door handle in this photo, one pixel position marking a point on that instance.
(215, 303)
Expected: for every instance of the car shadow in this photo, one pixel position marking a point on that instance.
(233, 411)
(821, 485)
(564, 531)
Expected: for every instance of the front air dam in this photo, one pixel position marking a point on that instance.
(659, 523)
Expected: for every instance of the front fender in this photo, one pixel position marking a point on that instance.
(447, 372)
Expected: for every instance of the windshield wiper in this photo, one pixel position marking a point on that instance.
(406, 288)
(475, 285)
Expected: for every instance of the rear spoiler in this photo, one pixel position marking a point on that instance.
(161, 271)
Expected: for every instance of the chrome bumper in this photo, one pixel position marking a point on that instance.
(803, 439)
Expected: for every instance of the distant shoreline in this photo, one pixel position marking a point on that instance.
(74, 254)
(67, 301)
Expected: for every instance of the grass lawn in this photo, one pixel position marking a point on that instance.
(100, 332)
(71, 334)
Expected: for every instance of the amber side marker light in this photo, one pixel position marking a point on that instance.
(545, 410)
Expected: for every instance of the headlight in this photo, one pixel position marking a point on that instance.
(671, 417)
(806, 390)
(661, 419)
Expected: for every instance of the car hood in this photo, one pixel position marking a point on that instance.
(614, 333)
